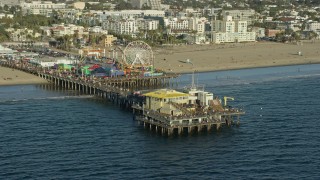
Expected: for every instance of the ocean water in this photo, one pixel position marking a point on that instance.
(46, 133)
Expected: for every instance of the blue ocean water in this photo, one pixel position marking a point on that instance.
(47, 133)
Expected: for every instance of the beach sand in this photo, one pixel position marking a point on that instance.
(209, 58)
(235, 56)
(9, 76)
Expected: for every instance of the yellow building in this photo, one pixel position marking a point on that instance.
(108, 40)
(165, 101)
(90, 52)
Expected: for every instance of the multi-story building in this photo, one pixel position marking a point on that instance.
(228, 30)
(226, 25)
(147, 24)
(260, 32)
(272, 32)
(241, 26)
(197, 24)
(240, 15)
(176, 23)
(108, 40)
(138, 3)
(22, 34)
(97, 29)
(72, 15)
(153, 4)
(44, 8)
(79, 5)
(313, 26)
(9, 2)
(104, 15)
(122, 26)
(70, 29)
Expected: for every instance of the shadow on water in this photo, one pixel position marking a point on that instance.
(222, 131)
(54, 88)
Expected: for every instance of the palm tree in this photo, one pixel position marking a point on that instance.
(93, 39)
(67, 42)
(85, 36)
(296, 36)
(22, 33)
(29, 37)
(194, 33)
(313, 35)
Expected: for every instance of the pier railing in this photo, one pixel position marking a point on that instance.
(120, 84)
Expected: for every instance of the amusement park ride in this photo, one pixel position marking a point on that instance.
(137, 59)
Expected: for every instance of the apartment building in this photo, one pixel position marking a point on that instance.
(70, 29)
(10, 2)
(153, 4)
(97, 29)
(227, 25)
(228, 31)
(22, 34)
(197, 24)
(313, 26)
(121, 26)
(108, 40)
(104, 15)
(44, 8)
(147, 24)
(176, 23)
(240, 15)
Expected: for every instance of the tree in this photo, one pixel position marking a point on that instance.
(296, 36)
(29, 37)
(67, 42)
(4, 35)
(145, 7)
(6, 7)
(64, 42)
(13, 10)
(313, 35)
(122, 5)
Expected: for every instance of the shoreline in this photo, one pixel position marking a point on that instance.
(257, 67)
(35, 80)
(209, 58)
(10, 77)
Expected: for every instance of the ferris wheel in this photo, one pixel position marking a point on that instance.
(138, 54)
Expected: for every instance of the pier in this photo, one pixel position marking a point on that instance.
(119, 90)
(141, 89)
(161, 114)
(168, 125)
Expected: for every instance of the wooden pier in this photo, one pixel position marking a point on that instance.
(169, 125)
(116, 89)
(119, 90)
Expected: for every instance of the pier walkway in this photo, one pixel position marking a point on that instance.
(121, 91)
(116, 89)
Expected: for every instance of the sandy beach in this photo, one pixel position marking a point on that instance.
(235, 56)
(9, 76)
(209, 58)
